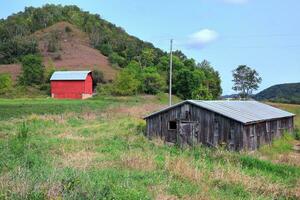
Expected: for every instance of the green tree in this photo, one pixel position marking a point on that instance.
(5, 83)
(147, 57)
(212, 79)
(245, 80)
(153, 83)
(186, 81)
(12, 49)
(126, 83)
(202, 93)
(32, 70)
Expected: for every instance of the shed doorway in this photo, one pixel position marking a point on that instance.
(188, 133)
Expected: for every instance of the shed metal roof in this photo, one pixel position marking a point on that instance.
(69, 75)
(243, 111)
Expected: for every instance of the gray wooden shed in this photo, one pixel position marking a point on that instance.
(237, 124)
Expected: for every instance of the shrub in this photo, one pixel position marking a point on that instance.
(106, 89)
(56, 55)
(46, 87)
(32, 70)
(297, 134)
(68, 29)
(114, 58)
(98, 77)
(105, 49)
(5, 83)
(53, 42)
(141, 127)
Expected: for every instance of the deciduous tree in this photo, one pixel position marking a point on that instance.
(245, 80)
(32, 70)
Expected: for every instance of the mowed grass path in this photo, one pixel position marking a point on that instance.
(95, 149)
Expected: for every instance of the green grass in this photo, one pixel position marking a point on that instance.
(279, 146)
(293, 108)
(65, 149)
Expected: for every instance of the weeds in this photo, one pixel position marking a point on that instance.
(297, 134)
(23, 131)
(279, 170)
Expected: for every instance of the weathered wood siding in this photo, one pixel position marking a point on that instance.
(213, 129)
(261, 133)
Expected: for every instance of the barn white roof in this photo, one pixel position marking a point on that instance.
(69, 75)
(242, 111)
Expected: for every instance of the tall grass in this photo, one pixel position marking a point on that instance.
(73, 154)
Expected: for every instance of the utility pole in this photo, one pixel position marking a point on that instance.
(170, 81)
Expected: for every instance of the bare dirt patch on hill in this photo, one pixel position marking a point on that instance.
(75, 52)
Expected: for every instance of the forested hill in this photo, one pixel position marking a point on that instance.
(18, 38)
(284, 93)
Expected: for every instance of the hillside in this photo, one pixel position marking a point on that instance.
(74, 38)
(74, 53)
(284, 93)
(95, 149)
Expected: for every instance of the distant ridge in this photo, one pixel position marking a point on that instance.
(283, 93)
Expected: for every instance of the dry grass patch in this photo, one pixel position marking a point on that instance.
(68, 135)
(54, 191)
(80, 160)
(165, 197)
(292, 158)
(183, 168)
(89, 116)
(157, 142)
(138, 161)
(136, 111)
(15, 183)
(252, 184)
(58, 118)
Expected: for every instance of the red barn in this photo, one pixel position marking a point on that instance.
(71, 84)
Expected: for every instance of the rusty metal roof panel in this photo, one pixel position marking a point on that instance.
(69, 75)
(242, 111)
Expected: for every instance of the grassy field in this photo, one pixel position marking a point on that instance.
(95, 149)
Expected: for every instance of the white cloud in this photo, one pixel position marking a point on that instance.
(236, 1)
(202, 38)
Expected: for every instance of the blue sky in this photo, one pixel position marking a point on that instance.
(263, 34)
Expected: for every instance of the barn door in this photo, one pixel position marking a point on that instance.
(216, 133)
(187, 133)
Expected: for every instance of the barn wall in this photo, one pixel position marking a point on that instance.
(88, 84)
(157, 125)
(261, 133)
(67, 89)
(212, 128)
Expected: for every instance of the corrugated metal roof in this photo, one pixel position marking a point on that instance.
(242, 111)
(69, 75)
